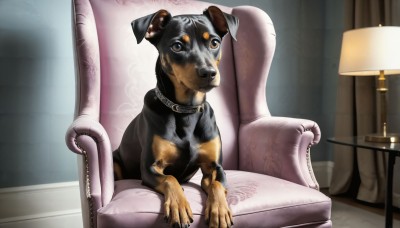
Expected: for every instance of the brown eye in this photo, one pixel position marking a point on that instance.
(214, 44)
(177, 47)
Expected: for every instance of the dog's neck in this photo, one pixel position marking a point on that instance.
(175, 91)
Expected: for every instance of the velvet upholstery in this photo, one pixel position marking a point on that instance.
(267, 159)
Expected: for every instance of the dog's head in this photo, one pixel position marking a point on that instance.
(189, 45)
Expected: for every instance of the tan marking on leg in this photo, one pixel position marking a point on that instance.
(209, 153)
(176, 207)
(217, 211)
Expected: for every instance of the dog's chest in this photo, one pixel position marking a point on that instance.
(189, 132)
(185, 127)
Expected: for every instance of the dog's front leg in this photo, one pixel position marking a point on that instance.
(217, 212)
(176, 207)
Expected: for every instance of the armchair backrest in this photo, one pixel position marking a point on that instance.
(114, 72)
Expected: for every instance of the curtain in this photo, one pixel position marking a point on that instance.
(361, 173)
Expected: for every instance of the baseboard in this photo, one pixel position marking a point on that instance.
(323, 172)
(48, 205)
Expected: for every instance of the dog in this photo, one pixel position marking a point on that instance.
(176, 133)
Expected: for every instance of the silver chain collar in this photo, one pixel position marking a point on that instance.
(176, 107)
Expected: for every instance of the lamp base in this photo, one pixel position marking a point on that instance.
(380, 138)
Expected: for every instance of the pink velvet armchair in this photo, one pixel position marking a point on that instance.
(267, 159)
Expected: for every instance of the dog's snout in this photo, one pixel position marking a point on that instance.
(207, 72)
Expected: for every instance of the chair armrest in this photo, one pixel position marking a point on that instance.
(279, 147)
(88, 138)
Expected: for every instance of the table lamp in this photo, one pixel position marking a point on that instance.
(373, 51)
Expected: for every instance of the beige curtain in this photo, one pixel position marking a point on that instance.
(359, 172)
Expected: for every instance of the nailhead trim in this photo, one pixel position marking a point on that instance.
(87, 184)
(310, 169)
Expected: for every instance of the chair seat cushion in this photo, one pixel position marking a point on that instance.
(256, 200)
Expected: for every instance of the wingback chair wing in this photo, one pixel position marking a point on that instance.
(266, 158)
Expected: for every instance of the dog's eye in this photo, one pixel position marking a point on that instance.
(214, 44)
(177, 47)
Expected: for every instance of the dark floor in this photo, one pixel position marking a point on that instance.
(376, 209)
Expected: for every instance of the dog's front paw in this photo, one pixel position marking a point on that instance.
(218, 214)
(177, 210)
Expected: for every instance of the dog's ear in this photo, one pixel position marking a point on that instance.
(222, 22)
(151, 26)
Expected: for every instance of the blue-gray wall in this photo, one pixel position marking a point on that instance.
(37, 79)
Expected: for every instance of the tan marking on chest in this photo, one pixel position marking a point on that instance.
(209, 152)
(165, 153)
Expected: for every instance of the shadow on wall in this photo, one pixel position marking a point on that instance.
(22, 121)
(31, 122)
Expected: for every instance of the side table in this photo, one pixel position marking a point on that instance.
(393, 150)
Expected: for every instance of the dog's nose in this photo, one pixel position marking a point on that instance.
(207, 72)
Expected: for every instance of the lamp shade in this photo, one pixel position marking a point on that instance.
(367, 51)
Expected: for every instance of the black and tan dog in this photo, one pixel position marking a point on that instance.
(176, 133)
